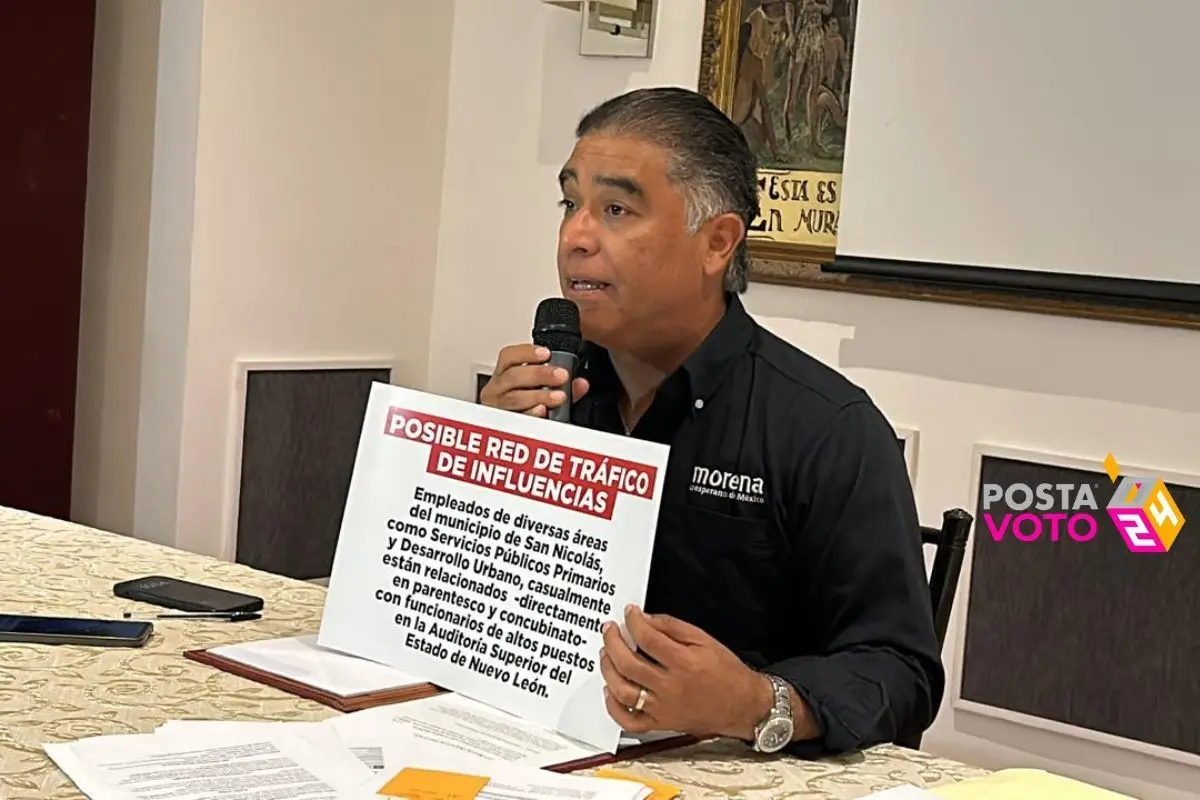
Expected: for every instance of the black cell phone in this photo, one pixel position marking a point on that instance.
(183, 595)
(73, 630)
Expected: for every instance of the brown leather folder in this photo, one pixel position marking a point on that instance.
(343, 703)
(625, 754)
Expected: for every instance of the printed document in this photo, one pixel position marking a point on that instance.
(371, 752)
(283, 766)
(459, 724)
(454, 725)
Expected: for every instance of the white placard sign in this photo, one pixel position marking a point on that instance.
(482, 550)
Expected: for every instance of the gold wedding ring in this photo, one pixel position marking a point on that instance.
(641, 701)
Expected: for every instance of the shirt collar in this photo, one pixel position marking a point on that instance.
(704, 370)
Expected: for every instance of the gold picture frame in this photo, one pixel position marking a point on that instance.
(781, 70)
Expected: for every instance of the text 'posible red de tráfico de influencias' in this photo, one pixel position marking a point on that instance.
(518, 465)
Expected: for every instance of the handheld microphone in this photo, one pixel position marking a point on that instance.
(556, 327)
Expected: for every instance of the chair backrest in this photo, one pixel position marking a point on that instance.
(951, 543)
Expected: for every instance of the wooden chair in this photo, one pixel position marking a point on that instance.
(951, 543)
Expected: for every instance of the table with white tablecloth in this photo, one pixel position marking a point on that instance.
(62, 693)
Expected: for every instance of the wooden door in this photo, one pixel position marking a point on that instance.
(45, 93)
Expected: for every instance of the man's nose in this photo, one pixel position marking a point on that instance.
(578, 233)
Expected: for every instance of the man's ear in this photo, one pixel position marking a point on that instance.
(723, 233)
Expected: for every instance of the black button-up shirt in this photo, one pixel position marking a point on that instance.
(788, 530)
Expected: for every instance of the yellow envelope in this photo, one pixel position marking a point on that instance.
(430, 784)
(1025, 784)
(662, 791)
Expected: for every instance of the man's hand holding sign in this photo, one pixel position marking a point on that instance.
(682, 679)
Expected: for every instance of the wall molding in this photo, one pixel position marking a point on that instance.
(954, 679)
(242, 368)
(911, 437)
(479, 368)
(1131, 300)
(1136, 300)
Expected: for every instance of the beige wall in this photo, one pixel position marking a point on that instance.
(959, 375)
(319, 167)
(417, 155)
(273, 195)
(116, 238)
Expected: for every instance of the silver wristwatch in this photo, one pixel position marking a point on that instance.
(775, 731)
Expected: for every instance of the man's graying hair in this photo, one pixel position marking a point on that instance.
(709, 159)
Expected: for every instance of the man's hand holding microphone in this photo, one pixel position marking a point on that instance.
(534, 378)
(524, 381)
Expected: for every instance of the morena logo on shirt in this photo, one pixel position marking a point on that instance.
(727, 485)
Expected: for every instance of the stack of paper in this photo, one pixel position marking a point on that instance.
(454, 724)
(187, 763)
(343, 757)
(286, 763)
(367, 749)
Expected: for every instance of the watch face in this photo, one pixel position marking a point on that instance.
(775, 735)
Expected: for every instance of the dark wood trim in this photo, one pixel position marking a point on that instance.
(1142, 302)
(1039, 283)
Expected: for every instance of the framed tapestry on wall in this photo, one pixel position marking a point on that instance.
(781, 70)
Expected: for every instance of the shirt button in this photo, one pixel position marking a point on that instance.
(699, 404)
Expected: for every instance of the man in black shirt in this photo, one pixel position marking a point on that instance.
(787, 603)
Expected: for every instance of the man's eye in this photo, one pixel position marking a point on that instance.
(615, 210)
(566, 205)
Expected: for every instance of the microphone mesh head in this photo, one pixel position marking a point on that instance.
(556, 325)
